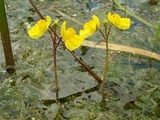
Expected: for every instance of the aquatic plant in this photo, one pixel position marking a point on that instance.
(68, 37)
(118, 22)
(72, 40)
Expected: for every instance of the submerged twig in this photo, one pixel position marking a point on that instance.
(122, 48)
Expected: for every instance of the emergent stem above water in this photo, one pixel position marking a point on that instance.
(5, 36)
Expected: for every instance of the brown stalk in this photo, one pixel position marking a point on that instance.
(55, 61)
(5, 36)
(102, 33)
(36, 9)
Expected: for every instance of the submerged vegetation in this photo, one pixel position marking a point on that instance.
(63, 74)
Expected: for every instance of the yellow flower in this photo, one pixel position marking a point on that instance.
(90, 27)
(71, 39)
(40, 27)
(117, 21)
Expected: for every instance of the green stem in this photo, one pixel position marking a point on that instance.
(106, 63)
(4, 30)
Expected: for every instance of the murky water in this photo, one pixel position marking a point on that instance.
(133, 91)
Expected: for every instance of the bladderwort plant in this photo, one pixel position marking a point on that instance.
(73, 40)
(120, 23)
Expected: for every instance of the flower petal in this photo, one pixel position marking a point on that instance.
(117, 21)
(41, 25)
(48, 19)
(96, 19)
(114, 18)
(35, 32)
(71, 39)
(90, 27)
(74, 42)
(63, 29)
(85, 33)
(69, 33)
(124, 23)
(39, 28)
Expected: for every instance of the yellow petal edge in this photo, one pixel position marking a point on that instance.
(39, 28)
(90, 27)
(73, 40)
(117, 21)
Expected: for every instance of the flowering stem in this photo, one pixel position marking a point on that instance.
(106, 63)
(58, 42)
(54, 48)
(4, 30)
(55, 61)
